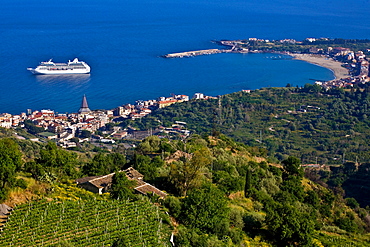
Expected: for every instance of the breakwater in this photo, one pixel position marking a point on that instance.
(194, 53)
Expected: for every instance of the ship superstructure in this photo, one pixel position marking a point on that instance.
(51, 68)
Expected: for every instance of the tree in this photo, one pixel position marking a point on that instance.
(103, 164)
(205, 209)
(187, 174)
(118, 160)
(32, 128)
(248, 183)
(227, 182)
(290, 224)
(122, 187)
(174, 205)
(292, 177)
(352, 203)
(56, 160)
(150, 145)
(312, 198)
(349, 168)
(292, 167)
(294, 186)
(85, 134)
(10, 163)
(7, 174)
(142, 164)
(35, 169)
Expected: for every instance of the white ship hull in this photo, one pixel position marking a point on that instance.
(51, 68)
(58, 72)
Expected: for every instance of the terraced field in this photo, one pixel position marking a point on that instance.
(84, 223)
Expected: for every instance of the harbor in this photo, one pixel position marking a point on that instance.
(194, 53)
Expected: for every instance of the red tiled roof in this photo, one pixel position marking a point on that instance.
(150, 189)
(102, 181)
(131, 173)
(167, 101)
(85, 179)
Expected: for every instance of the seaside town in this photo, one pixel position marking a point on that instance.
(350, 68)
(64, 127)
(334, 58)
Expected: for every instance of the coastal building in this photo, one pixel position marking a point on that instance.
(311, 39)
(47, 114)
(198, 96)
(123, 111)
(341, 51)
(6, 123)
(181, 98)
(291, 41)
(165, 103)
(6, 120)
(135, 115)
(315, 50)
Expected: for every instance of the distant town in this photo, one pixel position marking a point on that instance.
(351, 53)
(62, 128)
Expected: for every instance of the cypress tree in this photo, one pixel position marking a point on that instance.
(248, 183)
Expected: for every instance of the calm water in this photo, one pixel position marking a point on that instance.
(122, 42)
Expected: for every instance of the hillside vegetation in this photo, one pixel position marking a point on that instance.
(221, 192)
(223, 195)
(313, 125)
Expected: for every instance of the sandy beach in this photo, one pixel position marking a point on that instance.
(336, 67)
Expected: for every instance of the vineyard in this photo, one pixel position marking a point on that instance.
(84, 223)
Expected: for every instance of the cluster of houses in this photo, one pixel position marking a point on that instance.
(143, 108)
(63, 127)
(355, 62)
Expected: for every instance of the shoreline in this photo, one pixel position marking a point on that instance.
(323, 61)
(316, 59)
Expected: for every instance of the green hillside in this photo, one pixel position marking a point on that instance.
(313, 125)
(237, 180)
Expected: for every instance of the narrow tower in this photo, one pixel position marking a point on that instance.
(84, 106)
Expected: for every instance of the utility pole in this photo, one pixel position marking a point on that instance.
(344, 154)
(261, 135)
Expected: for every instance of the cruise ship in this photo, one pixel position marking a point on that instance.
(51, 68)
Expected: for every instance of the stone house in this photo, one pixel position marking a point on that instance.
(102, 184)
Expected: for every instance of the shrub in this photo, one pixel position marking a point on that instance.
(21, 183)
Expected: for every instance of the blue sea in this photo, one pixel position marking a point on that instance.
(122, 41)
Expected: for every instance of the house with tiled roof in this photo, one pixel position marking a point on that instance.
(102, 184)
(120, 135)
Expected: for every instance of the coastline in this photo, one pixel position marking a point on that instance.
(323, 61)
